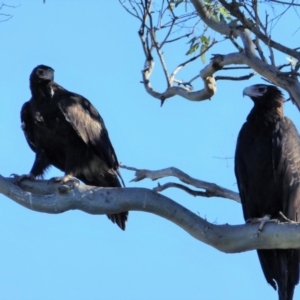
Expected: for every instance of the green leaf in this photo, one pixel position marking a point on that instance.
(193, 48)
(205, 40)
(202, 49)
(224, 12)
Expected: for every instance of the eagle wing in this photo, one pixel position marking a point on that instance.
(89, 125)
(27, 125)
(241, 169)
(41, 162)
(286, 155)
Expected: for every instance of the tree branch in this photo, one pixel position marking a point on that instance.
(6, 17)
(41, 196)
(246, 56)
(236, 78)
(194, 193)
(207, 17)
(234, 10)
(288, 83)
(211, 188)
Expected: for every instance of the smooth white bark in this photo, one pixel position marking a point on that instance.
(44, 197)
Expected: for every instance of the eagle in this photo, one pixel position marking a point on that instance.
(65, 130)
(267, 168)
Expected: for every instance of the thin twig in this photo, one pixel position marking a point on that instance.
(285, 3)
(130, 12)
(233, 78)
(182, 65)
(194, 193)
(235, 44)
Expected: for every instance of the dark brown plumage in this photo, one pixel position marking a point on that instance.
(65, 130)
(267, 168)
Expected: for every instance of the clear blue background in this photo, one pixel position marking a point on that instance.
(95, 50)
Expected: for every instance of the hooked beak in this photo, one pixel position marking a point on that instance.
(247, 91)
(49, 75)
(250, 91)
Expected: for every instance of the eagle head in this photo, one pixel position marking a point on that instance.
(264, 94)
(42, 73)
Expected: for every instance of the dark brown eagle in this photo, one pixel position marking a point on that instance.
(267, 168)
(65, 130)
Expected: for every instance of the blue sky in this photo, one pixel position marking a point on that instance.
(95, 51)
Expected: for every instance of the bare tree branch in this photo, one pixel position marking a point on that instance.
(234, 9)
(285, 3)
(5, 16)
(43, 197)
(194, 193)
(210, 188)
(248, 58)
(235, 78)
(207, 17)
(250, 52)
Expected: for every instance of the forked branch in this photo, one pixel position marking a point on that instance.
(246, 32)
(43, 197)
(211, 189)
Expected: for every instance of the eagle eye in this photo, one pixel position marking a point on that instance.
(261, 89)
(40, 72)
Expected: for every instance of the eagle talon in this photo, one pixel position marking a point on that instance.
(65, 180)
(20, 178)
(262, 222)
(65, 188)
(286, 219)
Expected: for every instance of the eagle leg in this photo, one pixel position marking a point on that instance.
(262, 221)
(285, 218)
(65, 179)
(20, 178)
